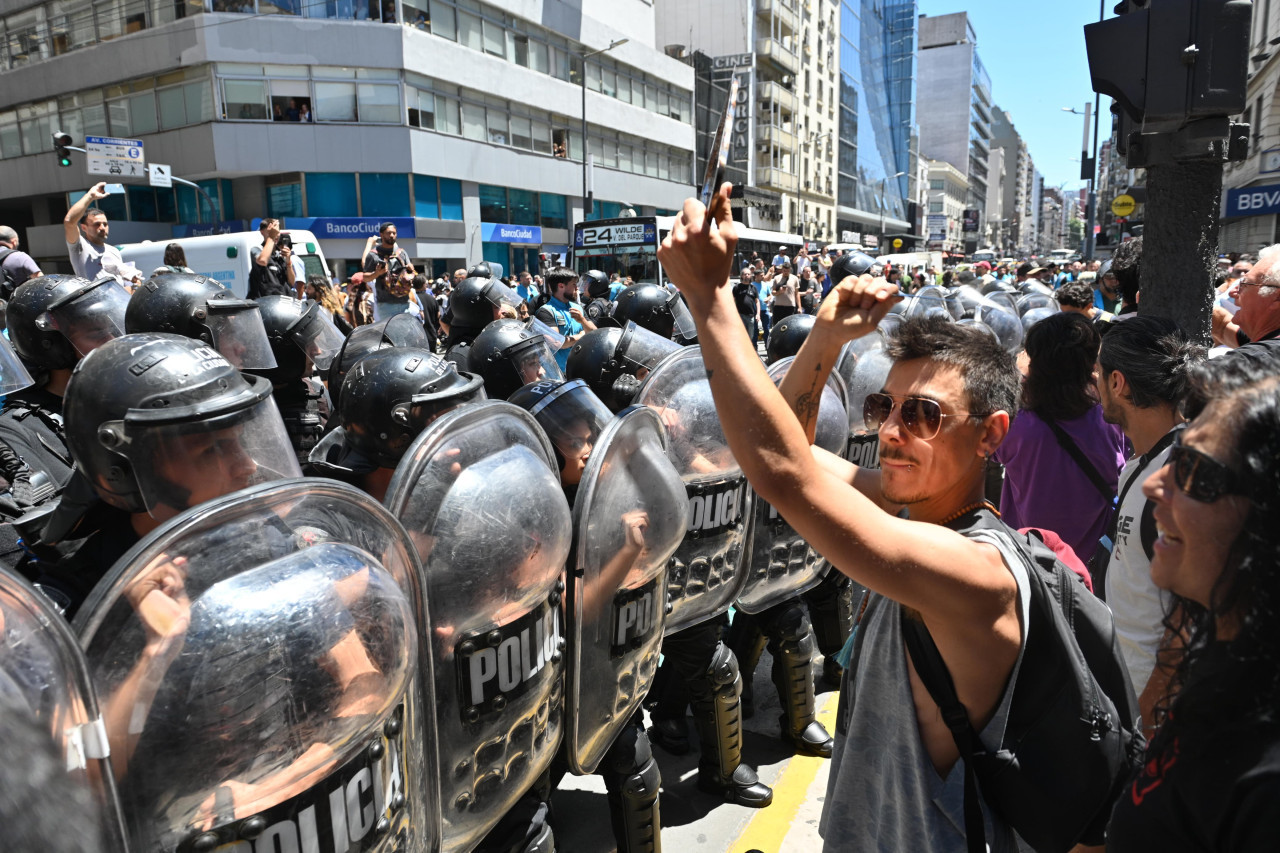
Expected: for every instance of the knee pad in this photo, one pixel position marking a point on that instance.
(723, 670)
(644, 783)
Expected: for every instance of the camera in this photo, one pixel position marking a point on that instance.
(286, 240)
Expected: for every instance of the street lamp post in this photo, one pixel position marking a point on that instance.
(585, 56)
(1091, 207)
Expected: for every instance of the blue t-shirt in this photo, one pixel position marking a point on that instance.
(616, 288)
(565, 324)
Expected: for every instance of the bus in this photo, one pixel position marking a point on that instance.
(629, 246)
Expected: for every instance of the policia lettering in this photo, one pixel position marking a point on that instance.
(715, 507)
(501, 664)
(634, 618)
(350, 811)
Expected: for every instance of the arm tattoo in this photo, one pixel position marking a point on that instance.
(807, 406)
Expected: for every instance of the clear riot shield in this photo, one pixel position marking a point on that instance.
(479, 493)
(781, 563)
(864, 366)
(706, 574)
(43, 676)
(628, 520)
(261, 680)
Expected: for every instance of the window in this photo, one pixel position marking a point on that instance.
(284, 200)
(426, 197)
(379, 102)
(335, 102)
(10, 141)
(422, 108)
(937, 185)
(244, 99)
(493, 204)
(553, 211)
(935, 207)
(173, 109)
(447, 120)
(331, 194)
(541, 137)
(496, 123)
(469, 30)
(473, 121)
(523, 207)
(450, 199)
(522, 133)
(518, 48)
(494, 40)
(443, 23)
(384, 194)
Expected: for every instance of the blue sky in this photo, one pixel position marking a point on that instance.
(1034, 52)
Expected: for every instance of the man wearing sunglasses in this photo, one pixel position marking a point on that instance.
(1142, 376)
(1257, 321)
(944, 409)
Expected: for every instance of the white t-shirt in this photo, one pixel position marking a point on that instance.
(1136, 603)
(90, 262)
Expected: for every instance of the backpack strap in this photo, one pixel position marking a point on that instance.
(937, 680)
(1073, 450)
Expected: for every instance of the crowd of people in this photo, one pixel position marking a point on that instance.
(1040, 441)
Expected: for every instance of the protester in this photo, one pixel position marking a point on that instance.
(86, 229)
(1061, 458)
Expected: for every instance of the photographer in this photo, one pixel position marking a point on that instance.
(272, 273)
(387, 262)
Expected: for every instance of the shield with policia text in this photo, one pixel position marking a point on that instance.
(628, 521)
(46, 695)
(263, 689)
(863, 366)
(479, 493)
(782, 564)
(706, 573)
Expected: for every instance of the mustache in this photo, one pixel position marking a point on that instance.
(894, 456)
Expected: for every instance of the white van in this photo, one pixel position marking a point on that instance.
(226, 258)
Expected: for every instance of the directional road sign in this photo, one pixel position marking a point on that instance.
(120, 158)
(161, 175)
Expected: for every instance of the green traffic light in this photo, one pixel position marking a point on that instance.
(64, 160)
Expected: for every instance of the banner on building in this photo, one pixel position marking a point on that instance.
(971, 220)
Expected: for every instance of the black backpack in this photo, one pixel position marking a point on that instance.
(7, 281)
(1073, 737)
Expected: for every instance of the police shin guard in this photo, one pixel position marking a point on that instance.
(717, 714)
(831, 606)
(632, 779)
(791, 644)
(746, 641)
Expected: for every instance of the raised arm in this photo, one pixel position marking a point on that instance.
(71, 222)
(954, 582)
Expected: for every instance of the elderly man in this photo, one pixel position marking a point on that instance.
(1256, 323)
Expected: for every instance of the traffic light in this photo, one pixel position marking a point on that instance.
(1169, 63)
(60, 142)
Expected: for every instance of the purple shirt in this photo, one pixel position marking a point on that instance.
(1043, 485)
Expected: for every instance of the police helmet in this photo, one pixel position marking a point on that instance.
(161, 422)
(787, 336)
(850, 264)
(570, 414)
(596, 283)
(614, 361)
(399, 330)
(476, 301)
(31, 328)
(298, 332)
(656, 309)
(507, 355)
(390, 396)
(481, 270)
(197, 307)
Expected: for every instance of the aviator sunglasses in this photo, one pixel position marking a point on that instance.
(921, 416)
(1201, 477)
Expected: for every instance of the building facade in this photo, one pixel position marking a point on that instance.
(954, 104)
(948, 197)
(457, 118)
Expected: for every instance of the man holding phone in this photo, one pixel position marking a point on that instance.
(85, 228)
(272, 272)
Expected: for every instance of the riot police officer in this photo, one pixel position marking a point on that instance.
(197, 307)
(390, 398)
(156, 424)
(475, 303)
(614, 361)
(400, 330)
(53, 322)
(596, 290)
(301, 335)
(508, 355)
(659, 310)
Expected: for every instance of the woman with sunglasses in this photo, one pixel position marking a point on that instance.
(1211, 778)
(1061, 459)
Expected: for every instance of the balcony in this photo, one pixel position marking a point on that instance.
(776, 137)
(783, 10)
(778, 54)
(775, 179)
(776, 93)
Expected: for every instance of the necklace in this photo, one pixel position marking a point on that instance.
(970, 508)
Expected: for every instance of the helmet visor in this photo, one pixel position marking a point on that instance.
(13, 375)
(641, 350)
(554, 339)
(238, 334)
(573, 418)
(684, 325)
(92, 317)
(181, 465)
(317, 336)
(500, 296)
(534, 361)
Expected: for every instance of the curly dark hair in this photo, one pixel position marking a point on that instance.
(1059, 385)
(1237, 678)
(990, 375)
(1077, 294)
(1126, 265)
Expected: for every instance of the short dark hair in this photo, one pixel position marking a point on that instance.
(93, 211)
(1126, 266)
(557, 276)
(990, 375)
(419, 281)
(1077, 294)
(1063, 349)
(1154, 355)
(382, 229)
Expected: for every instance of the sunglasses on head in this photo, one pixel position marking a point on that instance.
(1201, 477)
(921, 416)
